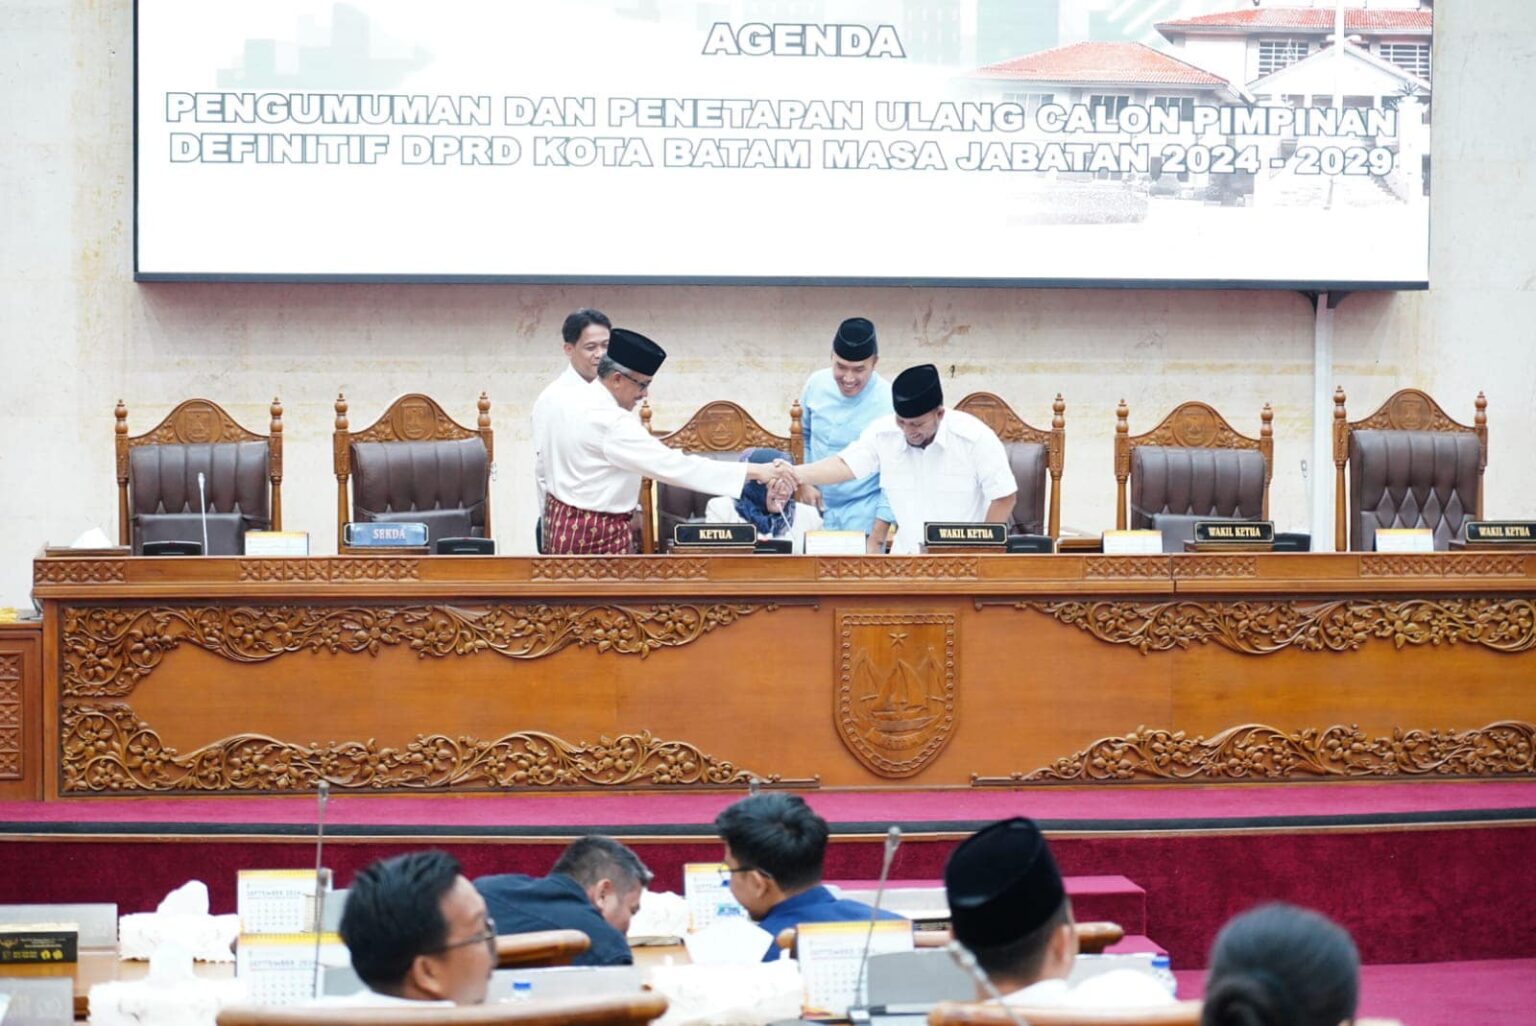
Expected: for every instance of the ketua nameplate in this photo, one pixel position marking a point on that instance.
(714, 537)
(1501, 533)
(1227, 535)
(942, 537)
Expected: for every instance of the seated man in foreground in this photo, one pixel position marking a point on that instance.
(775, 846)
(418, 933)
(594, 887)
(1009, 907)
(935, 465)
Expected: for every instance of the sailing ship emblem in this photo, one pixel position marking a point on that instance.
(896, 696)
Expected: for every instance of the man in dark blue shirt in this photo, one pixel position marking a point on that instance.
(594, 887)
(774, 847)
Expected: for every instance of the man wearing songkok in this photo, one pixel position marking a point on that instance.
(935, 465)
(774, 848)
(771, 508)
(598, 452)
(594, 887)
(837, 403)
(585, 332)
(418, 933)
(1009, 907)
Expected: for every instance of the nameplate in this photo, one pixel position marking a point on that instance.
(1220, 534)
(1501, 532)
(1405, 539)
(988, 536)
(376, 535)
(39, 943)
(715, 536)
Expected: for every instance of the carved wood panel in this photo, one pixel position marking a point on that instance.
(1258, 752)
(106, 748)
(722, 426)
(11, 741)
(106, 651)
(1195, 425)
(346, 568)
(1442, 564)
(1007, 425)
(413, 418)
(1104, 567)
(1262, 628)
(1409, 410)
(895, 703)
(629, 568)
(1215, 566)
(834, 568)
(196, 422)
(77, 571)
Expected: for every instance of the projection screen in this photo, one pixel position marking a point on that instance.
(1201, 143)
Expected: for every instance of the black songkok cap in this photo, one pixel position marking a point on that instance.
(1002, 883)
(633, 350)
(916, 390)
(855, 339)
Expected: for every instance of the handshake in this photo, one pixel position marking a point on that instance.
(782, 482)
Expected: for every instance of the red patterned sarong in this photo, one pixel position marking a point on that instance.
(569, 531)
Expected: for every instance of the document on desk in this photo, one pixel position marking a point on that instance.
(830, 956)
(707, 889)
(277, 900)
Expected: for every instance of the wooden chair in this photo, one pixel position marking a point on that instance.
(1092, 938)
(540, 948)
(719, 428)
(198, 422)
(1033, 454)
(409, 421)
(950, 1013)
(615, 1010)
(1399, 492)
(1193, 437)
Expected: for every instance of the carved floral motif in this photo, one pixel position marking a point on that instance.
(723, 427)
(1195, 425)
(630, 568)
(107, 748)
(77, 571)
(1442, 564)
(108, 650)
(835, 568)
(1255, 751)
(1216, 566)
(1098, 567)
(413, 418)
(1260, 628)
(992, 411)
(196, 422)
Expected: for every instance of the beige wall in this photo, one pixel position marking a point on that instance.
(77, 333)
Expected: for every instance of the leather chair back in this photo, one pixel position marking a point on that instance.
(1028, 462)
(1410, 465)
(679, 505)
(1412, 479)
(442, 484)
(163, 484)
(1203, 483)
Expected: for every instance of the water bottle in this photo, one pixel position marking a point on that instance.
(522, 990)
(1163, 970)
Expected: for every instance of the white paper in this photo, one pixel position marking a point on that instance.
(1133, 543)
(728, 942)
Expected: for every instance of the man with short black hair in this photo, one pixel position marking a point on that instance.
(594, 887)
(1009, 906)
(774, 849)
(418, 932)
(585, 334)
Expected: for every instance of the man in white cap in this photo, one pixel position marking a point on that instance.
(935, 465)
(598, 451)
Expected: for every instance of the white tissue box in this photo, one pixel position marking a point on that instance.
(208, 938)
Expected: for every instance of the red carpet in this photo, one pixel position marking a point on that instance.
(1483, 993)
(1067, 808)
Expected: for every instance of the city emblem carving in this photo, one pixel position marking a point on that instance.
(895, 699)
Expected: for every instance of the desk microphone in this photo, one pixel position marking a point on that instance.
(892, 842)
(202, 503)
(321, 797)
(963, 957)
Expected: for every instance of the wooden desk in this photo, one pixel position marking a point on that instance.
(234, 675)
(100, 966)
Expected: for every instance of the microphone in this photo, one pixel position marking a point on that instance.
(202, 503)
(321, 797)
(892, 842)
(965, 960)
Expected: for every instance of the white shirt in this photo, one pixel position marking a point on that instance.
(722, 510)
(1118, 988)
(596, 452)
(563, 389)
(953, 480)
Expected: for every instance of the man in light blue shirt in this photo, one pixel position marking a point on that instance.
(838, 402)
